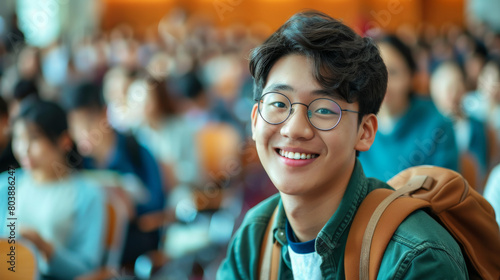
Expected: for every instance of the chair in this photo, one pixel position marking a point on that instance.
(117, 222)
(25, 266)
(117, 226)
(217, 145)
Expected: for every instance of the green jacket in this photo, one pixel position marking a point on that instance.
(419, 249)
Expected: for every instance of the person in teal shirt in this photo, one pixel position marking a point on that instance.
(318, 87)
(411, 129)
(58, 211)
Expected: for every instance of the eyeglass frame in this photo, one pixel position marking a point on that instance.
(307, 107)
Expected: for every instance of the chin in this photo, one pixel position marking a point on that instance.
(290, 187)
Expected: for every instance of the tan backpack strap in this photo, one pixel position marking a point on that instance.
(367, 242)
(270, 252)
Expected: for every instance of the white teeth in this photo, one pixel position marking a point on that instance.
(292, 155)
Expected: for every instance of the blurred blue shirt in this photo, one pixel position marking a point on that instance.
(422, 136)
(130, 157)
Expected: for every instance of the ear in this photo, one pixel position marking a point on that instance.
(65, 143)
(366, 133)
(255, 115)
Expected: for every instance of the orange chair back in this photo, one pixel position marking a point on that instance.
(21, 265)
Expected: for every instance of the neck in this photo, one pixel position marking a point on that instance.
(52, 173)
(394, 111)
(307, 215)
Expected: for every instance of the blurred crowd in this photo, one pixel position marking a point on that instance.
(159, 125)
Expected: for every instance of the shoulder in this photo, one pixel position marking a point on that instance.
(420, 228)
(426, 108)
(421, 246)
(374, 183)
(87, 189)
(255, 222)
(243, 252)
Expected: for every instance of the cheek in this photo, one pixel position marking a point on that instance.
(37, 151)
(264, 132)
(19, 148)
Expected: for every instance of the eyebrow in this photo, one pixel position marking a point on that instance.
(286, 87)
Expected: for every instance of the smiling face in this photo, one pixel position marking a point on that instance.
(300, 159)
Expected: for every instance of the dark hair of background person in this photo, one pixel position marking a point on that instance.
(84, 95)
(189, 85)
(7, 159)
(50, 120)
(344, 63)
(4, 109)
(25, 88)
(402, 49)
(494, 60)
(159, 89)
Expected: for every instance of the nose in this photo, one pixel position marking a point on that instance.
(297, 126)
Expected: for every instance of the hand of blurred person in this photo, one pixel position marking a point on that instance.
(43, 246)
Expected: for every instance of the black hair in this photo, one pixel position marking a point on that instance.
(402, 49)
(4, 109)
(50, 120)
(494, 60)
(344, 63)
(25, 88)
(188, 85)
(84, 95)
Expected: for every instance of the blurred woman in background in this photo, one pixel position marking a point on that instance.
(411, 130)
(57, 210)
(448, 90)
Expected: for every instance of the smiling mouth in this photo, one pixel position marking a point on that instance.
(293, 155)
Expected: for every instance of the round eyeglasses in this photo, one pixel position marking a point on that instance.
(323, 113)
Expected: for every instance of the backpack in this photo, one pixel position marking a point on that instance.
(446, 196)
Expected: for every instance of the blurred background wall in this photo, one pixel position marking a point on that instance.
(73, 19)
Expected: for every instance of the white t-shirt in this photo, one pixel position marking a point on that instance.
(305, 260)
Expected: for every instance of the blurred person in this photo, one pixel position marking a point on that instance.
(26, 67)
(447, 91)
(24, 89)
(198, 103)
(115, 87)
(474, 62)
(484, 104)
(57, 210)
(90, 57)
(28, 63)
(105, 148)
(168, 134)
(224, 77)
(54, 64)
(15, 37)
(7, 159)
(412, 131)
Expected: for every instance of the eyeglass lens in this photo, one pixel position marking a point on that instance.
(323, 113)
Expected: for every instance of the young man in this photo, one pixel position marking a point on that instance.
(318, 86)
(105, 148)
